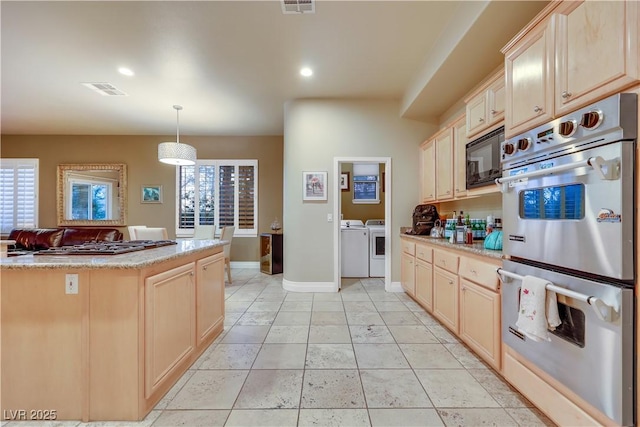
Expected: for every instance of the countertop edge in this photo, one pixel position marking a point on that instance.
(476, 248)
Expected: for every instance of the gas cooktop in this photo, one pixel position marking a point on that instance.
(106, 248)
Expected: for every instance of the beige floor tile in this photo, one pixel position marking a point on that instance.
(328, 306)
(263, 417)
(426, 318)
(174, 390)
(359, 306)
(443, 334)
(390, 306)
(232, 306)
(281, 356)
(468, 359)
(287, 334)
(329, 334)
(239, 334)
(231, 356)
(412, 334)
(529, 417)
(255, 318)
(147, 422)
(400, 318)
(454, 388)
(370, 334)
(334, 417)
(299, 296)
(476, 417)
(393, 388)
(271, 389)
(271, 296)
(364, 318)
(326, 296)
(499, 389)
(292, 318)
(332, 389)
(210, 390)
(429, 356)
(328, 318)
(264, 306)
(405, 418)
(381, 295)
(296, 306)
(414, 306)
(191, 418)
(360, 295)
(380, 356)
(22, 422)
(330, 356)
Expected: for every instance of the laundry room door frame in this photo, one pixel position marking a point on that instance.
(337, 208)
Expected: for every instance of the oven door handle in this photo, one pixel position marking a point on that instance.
(596, 163)
(602, 309)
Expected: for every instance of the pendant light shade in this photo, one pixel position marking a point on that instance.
(174, 153)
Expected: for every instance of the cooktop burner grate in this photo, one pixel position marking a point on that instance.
(106, 248)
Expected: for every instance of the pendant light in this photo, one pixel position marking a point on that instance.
(174, 153)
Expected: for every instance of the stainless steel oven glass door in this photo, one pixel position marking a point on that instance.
(575, 218)
(591, 356)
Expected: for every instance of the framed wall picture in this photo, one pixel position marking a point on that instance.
(151, 194)
(344, 181)
(314, 186)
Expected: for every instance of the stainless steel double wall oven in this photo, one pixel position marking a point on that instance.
(569, 217)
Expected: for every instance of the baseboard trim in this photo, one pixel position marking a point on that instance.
(395, 287)
(308, 286)
(245, 264)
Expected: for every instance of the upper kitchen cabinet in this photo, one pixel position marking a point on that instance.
(444, 164)
(439, 172)
(571, 55)
(529, 80)
(485, 106)
(596, 51)
(460, 158)
(428, 170)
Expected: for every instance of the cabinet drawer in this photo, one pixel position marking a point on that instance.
(408, 247)
(446, 260)
(424, 253)
(479, 272)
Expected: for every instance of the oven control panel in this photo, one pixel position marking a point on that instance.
(600, 121)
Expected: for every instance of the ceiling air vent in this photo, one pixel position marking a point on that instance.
(105, 89)
(298, 6)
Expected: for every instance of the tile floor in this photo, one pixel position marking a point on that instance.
(361, 357)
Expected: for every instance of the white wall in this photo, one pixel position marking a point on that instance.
(316, 131)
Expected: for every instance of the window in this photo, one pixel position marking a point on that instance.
(219, 193)
(366, 184)
(89, 199)
(18, 194)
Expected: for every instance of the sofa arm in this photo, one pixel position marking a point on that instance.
(34, 239)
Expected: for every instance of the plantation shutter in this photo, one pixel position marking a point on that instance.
(226, 202)
(246, 197)
(18, 194)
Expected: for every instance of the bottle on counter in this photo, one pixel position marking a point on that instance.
(460, 229)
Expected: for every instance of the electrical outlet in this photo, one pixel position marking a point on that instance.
(71, 284)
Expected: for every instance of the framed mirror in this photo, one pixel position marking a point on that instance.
(92, 194)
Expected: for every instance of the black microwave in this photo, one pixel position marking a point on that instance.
(483, 159)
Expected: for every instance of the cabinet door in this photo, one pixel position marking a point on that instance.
(495, 101)
(169, 326)
(460, 158)
(480, 321)
(408, 274)
(445, 298)
(477, 114)
(596, 51)
(209, 296)
(444, 165)
(529, 80)
(428, 187)
(424, 284)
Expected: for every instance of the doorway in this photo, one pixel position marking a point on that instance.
(384, 195)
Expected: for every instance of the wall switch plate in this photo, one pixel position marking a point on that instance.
(71, 284)
(329, 217)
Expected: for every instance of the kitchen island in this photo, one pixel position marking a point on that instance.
(104, 337)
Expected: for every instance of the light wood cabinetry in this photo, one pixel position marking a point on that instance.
(210, 307)
(460, 158)
(445, 298)
(480, 321)
(573, 54)
(428, 170)
(486, 105)
(424, 277)
(444, 164)
(407, 272)
(596, 51)
(529, 87)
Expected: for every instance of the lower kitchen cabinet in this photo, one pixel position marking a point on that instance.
(445, 298)
(480, 321)
(424, 284)
(209, 288)
(408, 274)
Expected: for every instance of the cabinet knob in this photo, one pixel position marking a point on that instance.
(463, 288)
(204, 268)
(448, 191)
(473, 271)
(480, 119)
(451, 282)
(566, 94)
(537, 109)
(494, 112)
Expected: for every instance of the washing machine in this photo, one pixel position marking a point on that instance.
(354, 245)
(376, 247)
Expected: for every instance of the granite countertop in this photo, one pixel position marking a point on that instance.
(475, 248)
(131, 260)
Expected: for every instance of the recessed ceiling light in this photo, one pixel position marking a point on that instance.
(306, 71)
(126, 71)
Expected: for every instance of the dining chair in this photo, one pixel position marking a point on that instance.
(227, 234)
(133, 229)
(151, 233)
(206, 232)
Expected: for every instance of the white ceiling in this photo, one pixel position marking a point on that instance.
(232, 65)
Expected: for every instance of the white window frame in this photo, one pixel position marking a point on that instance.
(16, 164)
(190, 232)
(90, 183)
